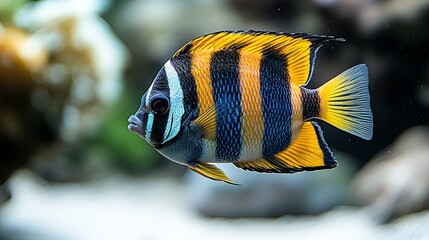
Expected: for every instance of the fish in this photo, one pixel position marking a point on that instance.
(239, 97)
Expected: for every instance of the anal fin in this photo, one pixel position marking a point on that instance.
(308, 152)
(210, 171)
(260, 165)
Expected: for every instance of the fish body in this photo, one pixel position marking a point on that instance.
(239, 97)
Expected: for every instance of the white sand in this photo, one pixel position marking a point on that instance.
(155, 208)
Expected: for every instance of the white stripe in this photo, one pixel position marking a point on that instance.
(176, 103)
(149, 126)
(148, 93)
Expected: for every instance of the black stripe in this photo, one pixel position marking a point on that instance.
(224, 73)
(310, 103)
(159, 121)
(142, 116)
(313, 53)
(182, 65)
(160, 84)
(276, 103)
(328, 156)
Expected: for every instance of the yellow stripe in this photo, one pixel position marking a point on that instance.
(297, 118)
(252, 125)
(201, 72)
(200, 69)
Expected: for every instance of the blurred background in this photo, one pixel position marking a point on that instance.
(73, 71)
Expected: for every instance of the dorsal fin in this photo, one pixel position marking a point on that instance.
(298, 48)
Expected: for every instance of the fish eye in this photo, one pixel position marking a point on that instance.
(159, 104)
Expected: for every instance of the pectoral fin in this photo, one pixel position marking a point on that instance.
(207, 123)
(211, 171)
(208, 120)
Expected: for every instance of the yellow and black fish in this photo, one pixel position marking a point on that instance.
(239, 97)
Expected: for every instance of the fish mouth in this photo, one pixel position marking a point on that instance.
(135, 124)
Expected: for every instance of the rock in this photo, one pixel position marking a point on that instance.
(4, 193)
(371, 16)
(395, 183)
(22, 128)
(61, 70)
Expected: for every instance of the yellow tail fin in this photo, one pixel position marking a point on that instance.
(345, 102)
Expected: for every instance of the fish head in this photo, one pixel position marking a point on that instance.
(159, 117)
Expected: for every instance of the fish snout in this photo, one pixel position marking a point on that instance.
(135, 125)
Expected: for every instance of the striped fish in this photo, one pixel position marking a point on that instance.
(239, 97)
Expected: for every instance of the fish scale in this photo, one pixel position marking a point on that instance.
(227, 97)
(275, 104)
